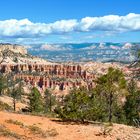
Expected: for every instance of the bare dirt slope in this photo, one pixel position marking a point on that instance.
(18, 126)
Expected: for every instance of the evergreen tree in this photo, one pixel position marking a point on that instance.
(132, 104)
(3, 83)
(110, 86)
(100, 103)
(35, 101)
(50, 101)
(97, 105)
(17, 93)
(75, 105)
(15, 89)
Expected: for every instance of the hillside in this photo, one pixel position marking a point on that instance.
(28, 127)
(17, 54)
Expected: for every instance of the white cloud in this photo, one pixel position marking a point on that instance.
(63, 26)
(130, 22)
(111, 23)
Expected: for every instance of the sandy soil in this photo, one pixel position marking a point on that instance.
(64, 131)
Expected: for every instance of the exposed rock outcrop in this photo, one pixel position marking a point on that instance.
(13, 48)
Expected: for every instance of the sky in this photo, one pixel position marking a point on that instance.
(69, 21)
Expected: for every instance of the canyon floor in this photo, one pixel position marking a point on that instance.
(27, 127)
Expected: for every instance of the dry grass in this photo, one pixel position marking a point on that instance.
(14, 122)
(36, 130)
(105, 130)
(52, 132)
(8, 133)
(4, 106)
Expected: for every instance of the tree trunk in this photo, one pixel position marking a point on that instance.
(110, 107)
(50, 104)
(14, 104)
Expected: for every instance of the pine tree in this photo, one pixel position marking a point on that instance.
(110, 86)
(97, 105)
(35, 101)
(3, 83)
(75, 105)
(16, 92)
(50, 101)
(132, 104)
(15, 89)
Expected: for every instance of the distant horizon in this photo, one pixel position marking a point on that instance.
(83, 52)
(69, 43)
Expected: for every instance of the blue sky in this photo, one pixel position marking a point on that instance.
(31, 21)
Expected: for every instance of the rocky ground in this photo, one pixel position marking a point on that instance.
(18, 126)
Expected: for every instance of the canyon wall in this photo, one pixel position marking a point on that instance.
(55, 76)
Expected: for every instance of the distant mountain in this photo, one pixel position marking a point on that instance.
(83, 52)
(103, 52)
